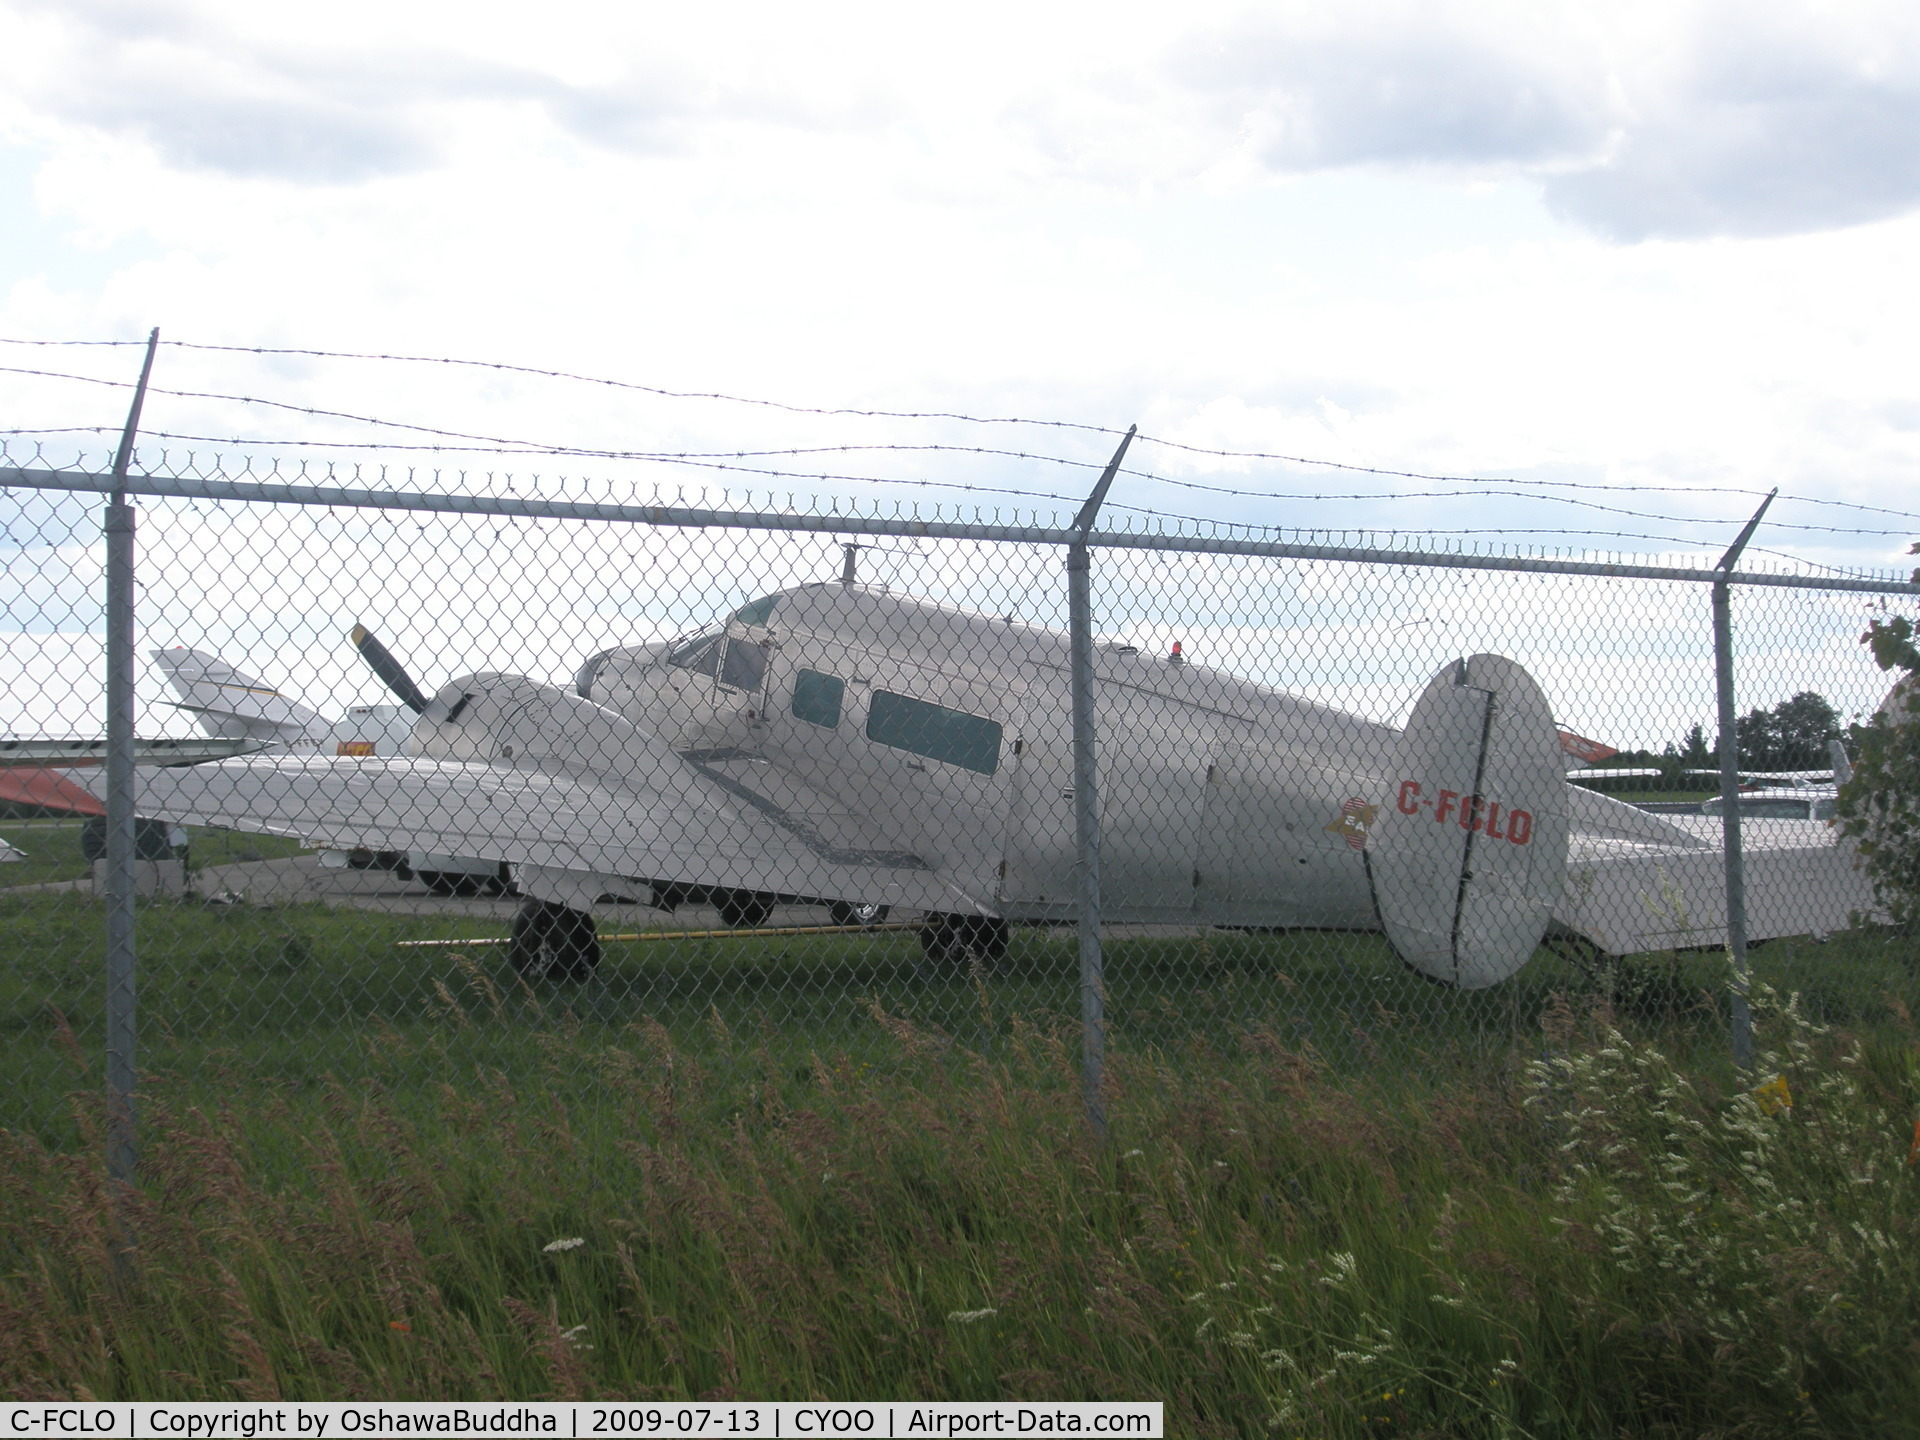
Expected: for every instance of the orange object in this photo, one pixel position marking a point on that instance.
(48, 788)
(1913, 1150)
(354, 747)
(1581, 748)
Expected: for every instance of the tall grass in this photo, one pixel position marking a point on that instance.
(1605, 1237)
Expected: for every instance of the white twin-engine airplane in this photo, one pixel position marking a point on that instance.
(840, 744)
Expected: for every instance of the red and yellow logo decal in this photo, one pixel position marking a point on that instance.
(1355, 816)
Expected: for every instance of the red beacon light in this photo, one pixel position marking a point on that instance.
(1176, 658)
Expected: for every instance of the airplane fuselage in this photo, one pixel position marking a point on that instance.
(947, 734)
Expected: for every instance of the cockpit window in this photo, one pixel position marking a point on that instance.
(758, 612)
(745, 666)
(588, 672)
(701, 654)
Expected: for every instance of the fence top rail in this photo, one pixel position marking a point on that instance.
(691, 517)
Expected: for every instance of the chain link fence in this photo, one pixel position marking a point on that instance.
(473, 773)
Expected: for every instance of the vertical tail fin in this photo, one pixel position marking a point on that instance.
(233, 705)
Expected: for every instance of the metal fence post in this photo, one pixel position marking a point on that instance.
(122, 1140)
(1086, 800)
(1730, 788)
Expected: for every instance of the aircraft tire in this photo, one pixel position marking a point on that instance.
(845, 912)
(742, 910)
(553, 942)
(987, 936)
(949, 942)
(576, 946)
(942, 952)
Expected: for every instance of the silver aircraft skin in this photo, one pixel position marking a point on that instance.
(839, 742)
(230, 704)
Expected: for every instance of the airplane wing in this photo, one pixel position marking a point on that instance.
(548, 782)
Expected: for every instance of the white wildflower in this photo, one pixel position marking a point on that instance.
(572, 1242)
(969, 1317)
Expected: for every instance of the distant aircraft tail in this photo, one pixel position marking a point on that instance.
(231, 705)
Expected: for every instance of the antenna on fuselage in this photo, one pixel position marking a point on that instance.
(847, 565)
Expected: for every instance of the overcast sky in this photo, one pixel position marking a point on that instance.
(1663, 244)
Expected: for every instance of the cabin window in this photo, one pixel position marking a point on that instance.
(701, 654)
(758, 612)
(950, 736)
(745, 666)
(817, 697)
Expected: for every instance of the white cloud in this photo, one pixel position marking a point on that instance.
(1681, 120)
(1308, 230)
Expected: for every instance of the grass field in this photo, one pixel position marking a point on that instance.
(53, 850)
(1336, 1200)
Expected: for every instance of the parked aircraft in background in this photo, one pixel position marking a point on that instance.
(228, 703)
(840, 743)
(37, 771)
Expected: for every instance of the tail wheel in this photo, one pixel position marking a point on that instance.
(553, 942)
(845, 912)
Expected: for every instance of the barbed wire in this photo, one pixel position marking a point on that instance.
(1143, 438)
(661, 391)
(1481, 485)
(725, 461)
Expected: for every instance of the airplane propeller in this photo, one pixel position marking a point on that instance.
(391, 672)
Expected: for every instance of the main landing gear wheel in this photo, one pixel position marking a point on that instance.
(845, 912)
(552, 942)
(743, 911)
(952, 943)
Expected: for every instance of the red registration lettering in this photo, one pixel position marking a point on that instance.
(1519, 827)
(1409, 797)
(1470, 813)
(1493, 819)
(1445, 807)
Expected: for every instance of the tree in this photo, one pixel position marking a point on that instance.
(1880, 805)
(1791, 736)
(1694, 752)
